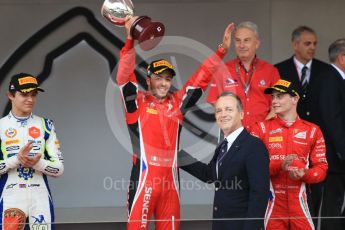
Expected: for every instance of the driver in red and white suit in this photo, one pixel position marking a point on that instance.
(297, 156)
(154, 120)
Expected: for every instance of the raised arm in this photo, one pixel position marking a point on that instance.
(125, 71)
(199, 81)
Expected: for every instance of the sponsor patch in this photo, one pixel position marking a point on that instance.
(14, 218)
(277, 157)
(301, 135)
(12, 142)
(11, 132)
(274, 131)
(34, 132)
(145, 209)
(151, 111)
(25, 173)
(39, 222)
(276, 139)
(283, 83)
(275, 146)
(27, 80)
(162, 63)
(262, 83)
(230, 81)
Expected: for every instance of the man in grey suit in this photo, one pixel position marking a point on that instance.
(239, 169)
(332, 123)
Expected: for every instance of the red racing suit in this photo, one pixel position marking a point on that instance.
(256, 104)
(154, 126)
(287, 207)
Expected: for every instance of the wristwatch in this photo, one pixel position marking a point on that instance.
(221, 46)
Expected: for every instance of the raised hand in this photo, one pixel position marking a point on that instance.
(128, 24)
(227, 36)
(287, 161)
(24, 158)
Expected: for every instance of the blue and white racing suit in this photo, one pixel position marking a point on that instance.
(25, 194)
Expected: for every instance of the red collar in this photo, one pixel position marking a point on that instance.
(285, 124)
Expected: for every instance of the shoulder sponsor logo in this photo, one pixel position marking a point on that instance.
(34, 132)
(276, 139)
(320, 140)
(11, 132)
(52, 170)
(301, 135)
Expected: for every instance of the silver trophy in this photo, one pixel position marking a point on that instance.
(147, 32)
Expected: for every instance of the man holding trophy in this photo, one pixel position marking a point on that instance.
(154, 121)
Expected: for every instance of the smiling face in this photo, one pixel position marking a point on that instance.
(228, 115)
(305, 47)
(23, 103)
(283, 103)
(159, 85)
(246, 44)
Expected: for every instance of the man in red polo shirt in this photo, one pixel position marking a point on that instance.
(248, 76)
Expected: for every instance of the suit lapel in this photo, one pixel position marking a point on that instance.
(293, 72)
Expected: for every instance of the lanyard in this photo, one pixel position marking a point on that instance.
(246, 85)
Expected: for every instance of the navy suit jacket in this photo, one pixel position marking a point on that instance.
(308, 100)
(242, 186)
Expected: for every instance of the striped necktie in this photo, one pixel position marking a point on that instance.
(304, 80)
(222, 151)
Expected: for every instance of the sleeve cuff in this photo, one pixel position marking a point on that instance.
(13, 162)
(40, 165)
(129, 43)
(221, 52)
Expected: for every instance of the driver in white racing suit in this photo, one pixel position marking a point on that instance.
(29, 152)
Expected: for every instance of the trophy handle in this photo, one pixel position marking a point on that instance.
(148, 33)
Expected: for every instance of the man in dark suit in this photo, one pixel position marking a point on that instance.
(239, 169)
(303, 70)
(332, 122)
(303, 65)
